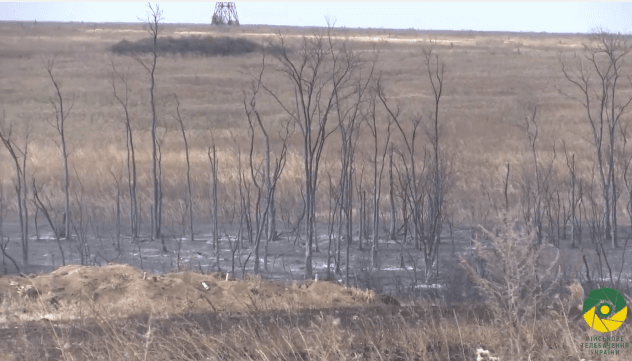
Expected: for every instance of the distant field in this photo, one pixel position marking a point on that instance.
(491, 79)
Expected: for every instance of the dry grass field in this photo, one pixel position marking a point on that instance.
(160, 301)
(491, 80)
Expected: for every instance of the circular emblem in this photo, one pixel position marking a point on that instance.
(605, 310)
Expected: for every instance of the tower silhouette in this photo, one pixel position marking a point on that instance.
(225, 14)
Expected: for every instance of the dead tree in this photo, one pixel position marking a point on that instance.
(80, 227)
(378, 158)
(212, 158)
(392, 230)
(412, 175)
(267, 184)
(604, 104)
(117, 181)
(349, 104)
(317, 70)
(19, 156)
(245, 210)
(264, 181)
(426, 191)
(362, 208)
(403, 189)
(334, 201)
(627, 179)
(540, 198)
(60, 121)
(134, 216)
(439, 170)
(535, 198)
(186, 150)
(153, 22)
(159, 142)
(574, 196)
(3, 211)
(51, 222)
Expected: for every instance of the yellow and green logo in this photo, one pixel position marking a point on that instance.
(605, 310)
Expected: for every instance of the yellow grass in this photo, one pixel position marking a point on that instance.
(491, 80)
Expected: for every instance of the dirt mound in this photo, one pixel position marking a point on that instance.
(122, 290)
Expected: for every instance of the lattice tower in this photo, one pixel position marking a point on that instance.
(225, 14)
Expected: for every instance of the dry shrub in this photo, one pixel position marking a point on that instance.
(521, 291)
(194, 45)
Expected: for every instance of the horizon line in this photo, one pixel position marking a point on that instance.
(122, 23)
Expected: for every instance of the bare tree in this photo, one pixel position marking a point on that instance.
(439, 170)
(378, 157)
(134, 216)
(19, 156)
(362, 211)
(186, 150)
(212, 157)
(51, 222)
(159, 142)
(349, 102)
(3, 212)
(60, 121)
(604, 104)
(319, 69)
(245, 210)
(154, 17)
(574, 196)
(80, 227)
(427, 200)
(334, 198)
(392, 230)
(117, 181)
(265, 181)
(412, 185)
(535, 197)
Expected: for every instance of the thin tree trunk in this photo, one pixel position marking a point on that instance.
(25, 249)
(349, 218)
(158, 210)
(615, 243)
(215, 214)
(155, 16)
(362, 219)
(391, 195)
(271, 225)
(118, 217)
(131, 182)
(60, 126)
(309, 219)
(186, 152)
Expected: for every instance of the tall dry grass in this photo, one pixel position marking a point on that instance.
(488, 85)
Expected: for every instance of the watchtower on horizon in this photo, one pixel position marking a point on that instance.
(225, 14)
